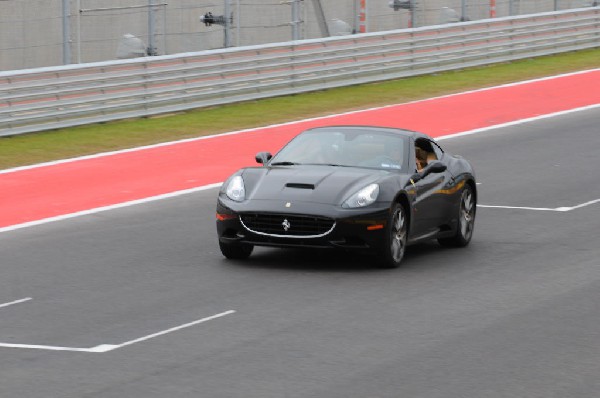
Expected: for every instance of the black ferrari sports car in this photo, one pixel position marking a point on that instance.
(361, 188)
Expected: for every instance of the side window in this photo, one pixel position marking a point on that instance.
(426, 151)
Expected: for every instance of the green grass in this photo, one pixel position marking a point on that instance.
(65, 143)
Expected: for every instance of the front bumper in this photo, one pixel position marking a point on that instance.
(354, 229)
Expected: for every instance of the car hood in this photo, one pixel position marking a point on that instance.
(317, 184)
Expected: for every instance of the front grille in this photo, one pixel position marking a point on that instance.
(285, 225)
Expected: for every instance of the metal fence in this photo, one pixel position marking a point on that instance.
(49, 98)
(37, 33)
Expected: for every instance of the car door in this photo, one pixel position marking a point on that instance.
(431, 201)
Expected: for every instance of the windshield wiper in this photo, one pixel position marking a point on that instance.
(287, 163)
(284, 164)
(328, 164)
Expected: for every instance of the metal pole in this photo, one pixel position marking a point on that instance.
(295, 20)
(237, 23)
(66, 12)
(227, 38)
(463, 10)
(164, 9)
(151, 42)
(356, 22)
(78, 31)
(413, 11)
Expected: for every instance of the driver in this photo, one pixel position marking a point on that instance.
(421, 158)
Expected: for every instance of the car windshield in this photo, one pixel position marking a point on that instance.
(349, 146)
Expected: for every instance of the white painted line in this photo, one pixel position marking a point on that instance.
(591, 202)
(517, 207)
(15, 302)
(556, 209)
(45, 347)
(111, 207)
(517, 122)
(187, 325)
(110, 347)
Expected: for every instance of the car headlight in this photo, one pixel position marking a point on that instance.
(235, 189)
(363, 198)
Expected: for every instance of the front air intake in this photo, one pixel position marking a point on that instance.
(288, 226)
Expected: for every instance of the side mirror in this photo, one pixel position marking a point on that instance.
(434, 167)
(263, 157)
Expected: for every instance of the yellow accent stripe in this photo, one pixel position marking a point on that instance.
(452, 190)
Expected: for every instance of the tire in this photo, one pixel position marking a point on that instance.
(236, 251)
(466, 220)
(395, 239)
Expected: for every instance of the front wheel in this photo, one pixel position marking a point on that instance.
(396, 237)
(236, 251)
(466, 220)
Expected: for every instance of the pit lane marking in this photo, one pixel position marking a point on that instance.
(110, 347)
(557, 209)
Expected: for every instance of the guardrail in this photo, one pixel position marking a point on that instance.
(50, 98)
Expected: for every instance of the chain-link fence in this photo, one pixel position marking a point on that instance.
(36, 33)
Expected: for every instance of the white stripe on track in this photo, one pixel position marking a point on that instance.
(517, 122)
(110, 347)
(15, 302)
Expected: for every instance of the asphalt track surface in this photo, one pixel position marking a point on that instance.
(138, 301)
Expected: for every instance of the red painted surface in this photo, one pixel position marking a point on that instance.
(54, 190)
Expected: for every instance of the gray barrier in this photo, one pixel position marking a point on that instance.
(50, 98)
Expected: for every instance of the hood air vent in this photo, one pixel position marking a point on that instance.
(299, 185)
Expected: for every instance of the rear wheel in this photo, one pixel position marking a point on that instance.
(396, 237)
(236, 251)
(466, 220)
